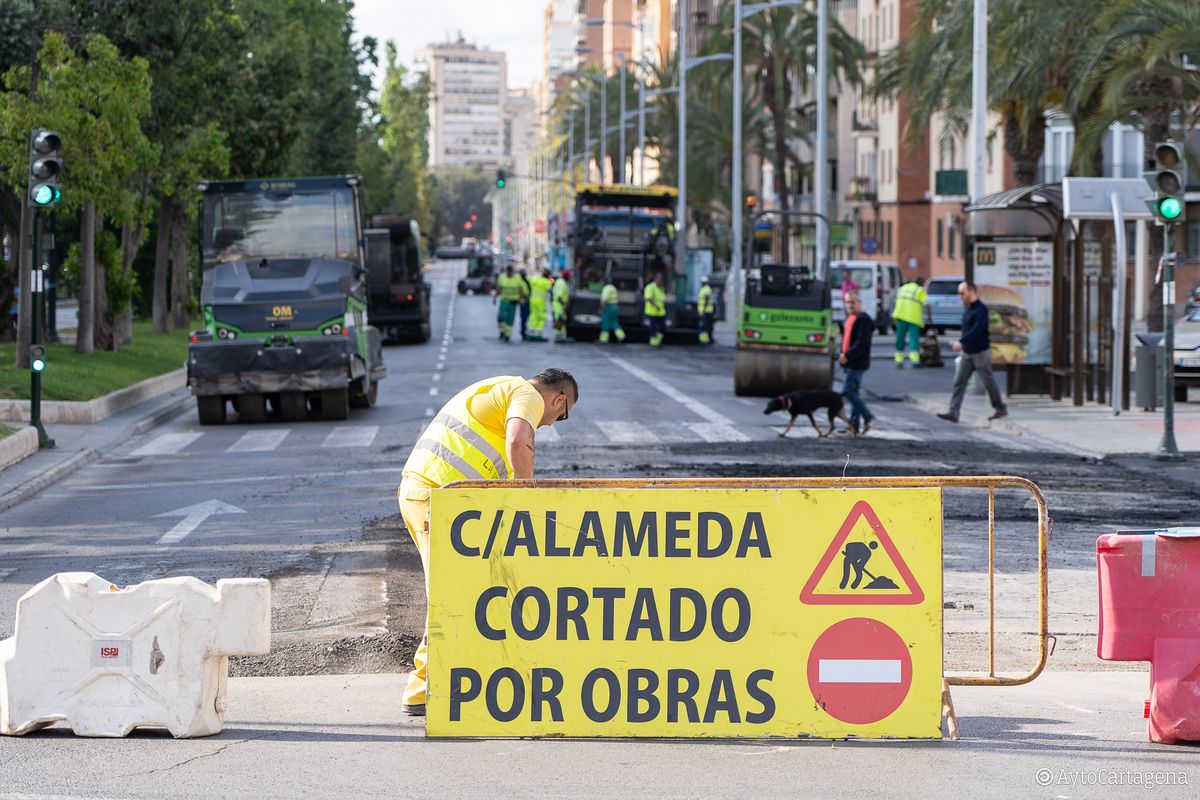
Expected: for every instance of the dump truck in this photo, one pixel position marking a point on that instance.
(398, 296)
(284, 302)
(786, 337)
(628, 231)
(482, 265)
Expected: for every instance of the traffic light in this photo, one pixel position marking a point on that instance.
(45, 167)
(474, 218)
(1167, 178)
(37, 358)
(501, 178)
(751, 202)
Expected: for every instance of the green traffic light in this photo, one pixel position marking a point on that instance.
(37, 365)
(1170, 208)
(499, 183)
(44, 195)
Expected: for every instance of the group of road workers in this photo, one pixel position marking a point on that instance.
(515, 292)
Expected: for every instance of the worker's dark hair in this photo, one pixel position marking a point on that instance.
(558, 380)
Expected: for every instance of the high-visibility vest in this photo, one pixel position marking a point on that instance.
(704, 303)
(608, 295)
(656, 301)
(456, 447)
(511, 287)
(561, 291)
(910, 304)
(539, 285)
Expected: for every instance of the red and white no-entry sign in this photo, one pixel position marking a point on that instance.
(859, 670)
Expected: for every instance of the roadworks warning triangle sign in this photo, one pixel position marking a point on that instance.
(851, 571)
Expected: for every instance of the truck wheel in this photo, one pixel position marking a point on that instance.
(361, 399)
(335, 403)
(423, 333)
(1181, 393)
(462, 287)
(211, 409)
(292, 406)
(251, 408)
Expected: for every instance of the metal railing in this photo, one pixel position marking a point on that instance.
(989, 482)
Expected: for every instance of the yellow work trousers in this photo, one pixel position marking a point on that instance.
(414, 507)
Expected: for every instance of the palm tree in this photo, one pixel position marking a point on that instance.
(1036, 58)
(780, 52)
(1139, 67)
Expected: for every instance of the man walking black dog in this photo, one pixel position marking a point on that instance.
(856, 359)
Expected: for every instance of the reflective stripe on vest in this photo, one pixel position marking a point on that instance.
(476, 440)
(706, 300)
(449, 457)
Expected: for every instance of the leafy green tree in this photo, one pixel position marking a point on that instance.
(96, 100)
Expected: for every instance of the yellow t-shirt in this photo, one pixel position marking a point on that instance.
(492, 402)
(510, 396)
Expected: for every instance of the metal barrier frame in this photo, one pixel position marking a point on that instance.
(942, 482)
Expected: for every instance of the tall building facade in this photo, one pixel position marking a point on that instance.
(467, 115)
(558, 48)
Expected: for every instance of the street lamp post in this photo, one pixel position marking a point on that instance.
(733, 297)
(620, 176)
(619, 172)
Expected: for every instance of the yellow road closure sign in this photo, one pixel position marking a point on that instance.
(685, 612)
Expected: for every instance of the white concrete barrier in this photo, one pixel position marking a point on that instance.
(18, 446)
(107, 660)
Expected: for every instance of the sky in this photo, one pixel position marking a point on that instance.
(513, 26)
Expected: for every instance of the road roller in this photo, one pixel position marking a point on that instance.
(786, 337)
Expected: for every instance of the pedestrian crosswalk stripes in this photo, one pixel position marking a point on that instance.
(166, 444)
(716, 432)
(581, 432)
(354, 436)
(259, 441)
(622, 432)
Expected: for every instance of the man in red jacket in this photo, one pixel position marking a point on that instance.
(856, 359)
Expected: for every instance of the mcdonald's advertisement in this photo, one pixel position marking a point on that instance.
(685, 613)
(1016, 282)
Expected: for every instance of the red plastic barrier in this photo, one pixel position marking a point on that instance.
(1150, 611)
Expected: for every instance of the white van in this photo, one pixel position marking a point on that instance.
(877, 283)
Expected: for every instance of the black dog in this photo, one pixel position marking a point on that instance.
(805, 401)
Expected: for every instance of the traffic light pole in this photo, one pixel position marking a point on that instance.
(35, 376)
(1167, 449)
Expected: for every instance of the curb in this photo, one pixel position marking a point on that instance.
(100, 408)
(161, 416)
(18, 447)
(35, 484)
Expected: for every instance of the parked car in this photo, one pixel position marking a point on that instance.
(945, 309)
(877, 283)
(1187, 353)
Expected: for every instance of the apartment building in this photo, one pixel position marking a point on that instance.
(466, 117)
(558, 48)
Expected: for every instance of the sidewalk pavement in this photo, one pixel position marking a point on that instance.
(343, 736)
(76, 445)
(1088, 430)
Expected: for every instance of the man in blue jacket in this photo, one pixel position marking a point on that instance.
(855, 359)
(976, 347)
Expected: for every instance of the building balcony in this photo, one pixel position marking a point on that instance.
(950, 182)
(863, 124)
(862, 190)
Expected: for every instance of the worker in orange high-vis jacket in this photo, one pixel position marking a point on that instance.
(485, 432)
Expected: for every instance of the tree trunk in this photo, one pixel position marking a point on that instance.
(166, 214)
(123, 324)
(24, 293)
(102, 325)
(180, 314)
(1025, 152)
(84, 338)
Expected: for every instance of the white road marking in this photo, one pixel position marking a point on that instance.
(858, 670)
(166, 444)
(4, 573)
(716, 432)
(547, 435)
(433, 391)
(692, 404)
(353, 436)
(894, 435)
(193, 517)
(623, 432)
(437, 376)
(429, 411)
(259, 441)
